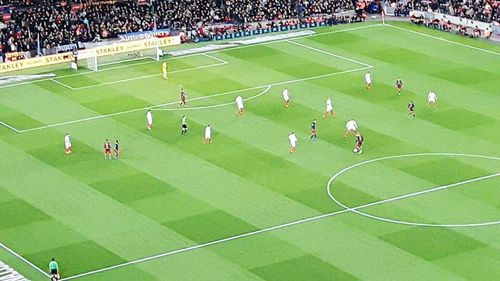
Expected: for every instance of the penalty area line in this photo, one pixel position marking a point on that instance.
(153, 107)
(176, 102)
(268, 87)
(214, 105)
(328, 53)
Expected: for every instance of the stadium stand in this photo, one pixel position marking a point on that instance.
(49, 23)
(482, 10)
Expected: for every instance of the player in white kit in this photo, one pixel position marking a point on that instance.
(293, 142)
(68, 148)
(149, 119)
(368, 80)
(350, 127)
(432, 99)
(286, 97)
(329, 109)
(239, 104)
(208, 135)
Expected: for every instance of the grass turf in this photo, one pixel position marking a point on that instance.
(169, 191)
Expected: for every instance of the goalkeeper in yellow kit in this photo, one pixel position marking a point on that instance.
(164, 70)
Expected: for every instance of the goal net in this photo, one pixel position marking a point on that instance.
(96, 60)
(105, 56)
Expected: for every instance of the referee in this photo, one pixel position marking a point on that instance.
(54, 269)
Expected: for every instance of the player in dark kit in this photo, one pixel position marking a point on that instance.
(314, 132)
(399, 86)
(116, 149)
(107, 150)
(411, 109)
(183, 98)
(359, 144)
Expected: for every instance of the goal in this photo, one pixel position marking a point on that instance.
(98, 58)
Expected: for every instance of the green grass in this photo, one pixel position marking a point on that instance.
(169, 192)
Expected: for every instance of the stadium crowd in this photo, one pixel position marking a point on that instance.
(61, 22)
(475, 10)
(45, 24)
(481, 10)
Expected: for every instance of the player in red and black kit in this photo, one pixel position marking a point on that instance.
(107, 150)
(399, 86)
(359, 143)
(411, 109)
(314, 132)
(183, 98)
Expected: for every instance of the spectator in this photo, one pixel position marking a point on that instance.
(53, 23)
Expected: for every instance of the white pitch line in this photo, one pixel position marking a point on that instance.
(77, 74)
(328, 53)
(63, 84)
(265, 43)
(272, 228)
(354, 210)
(100, 71)
(170, 103)
(445, 40)
(318, 77)
(212, 106)
(24, 260)
(127, 111)
(199, 98)
(281, 40)
(215, 58)
(197, 54)
(131, 111)
(148, 76)
(10, 127)
(195, 247)
(124, 65)
(268, 86)
(223, 62)
(431, 190)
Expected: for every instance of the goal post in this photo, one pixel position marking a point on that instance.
(121, 53)
(97, 63)
(92, 63)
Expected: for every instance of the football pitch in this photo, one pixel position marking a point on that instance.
(422, 202)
